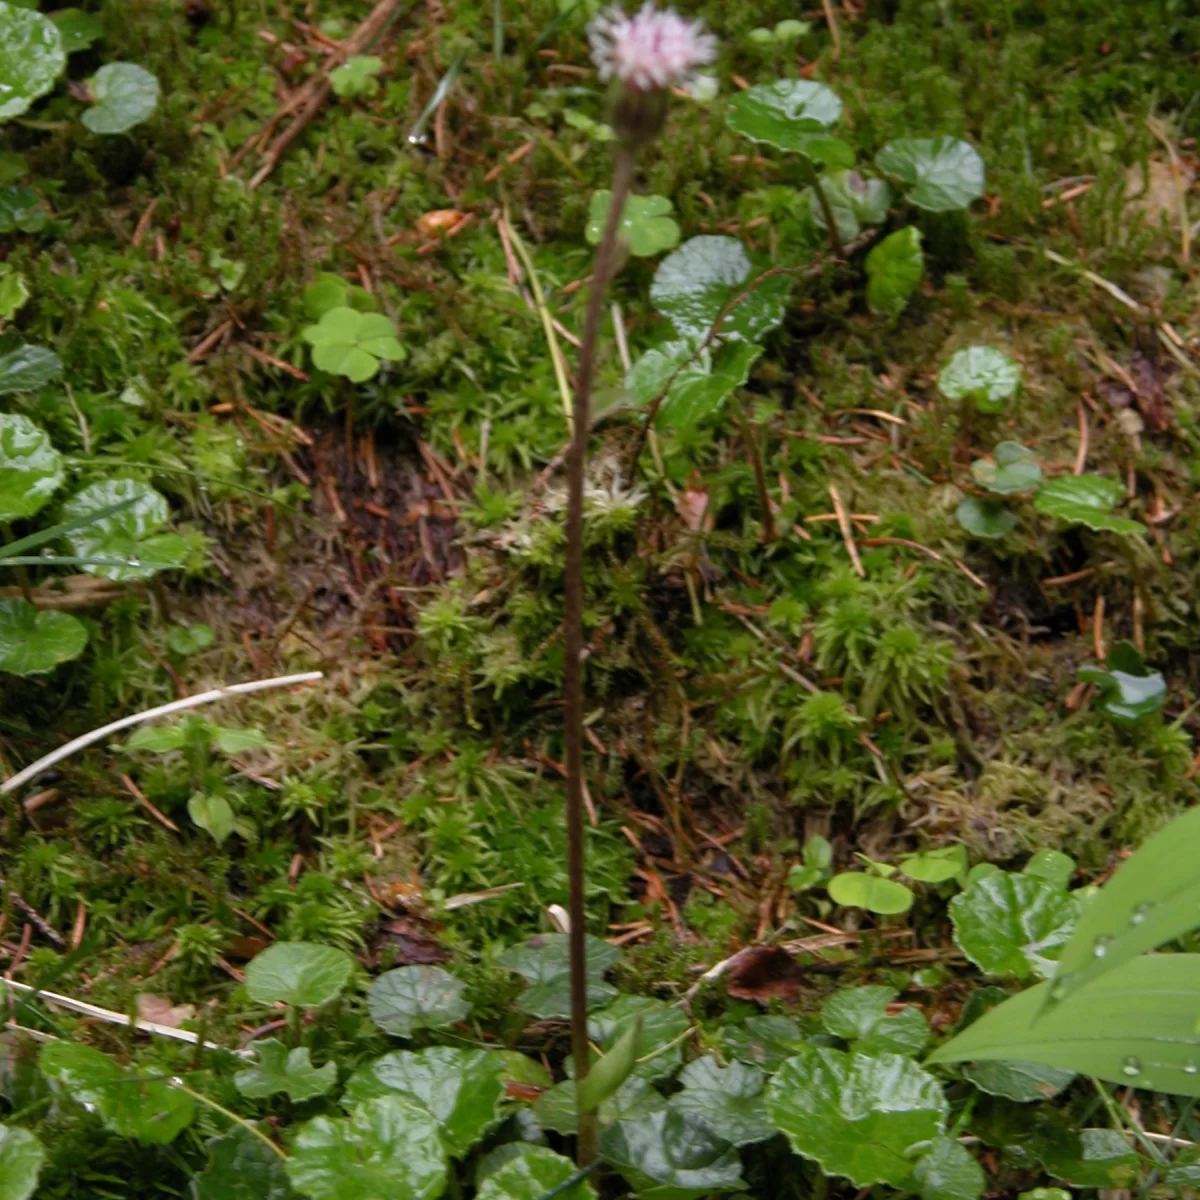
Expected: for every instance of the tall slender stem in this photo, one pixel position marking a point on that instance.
(760, 474)
(831, 225)
(573, 621)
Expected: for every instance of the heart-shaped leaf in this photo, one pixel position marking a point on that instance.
(1086, 500)
(948, 1172)
(461, 1089)
(78, 29)
(129, 1104)
(1012, 468)
(730, 1100)
(130, 536)
(302, 974)
(416, 997)
(31, 470)
(671, 1155)
(794, 115)
(662, 1024)
(860, 1015)
(1006, 922)
(282, 1070)
(21, 1157)
(694, 283)
(352, 343)
(982, 375)
(21, 209)
(388, 1149)
(33, 643)
(857, 1115)
(545, 963)
(31, 58)
(211, 812)
(28, 368)
(984, 518)
(646, 223)
(765, 1041)
(530, 1175)
(894, 269)
(857, 889)
(126, 95)
(941, 174)
(699, 389)
(242, 1167)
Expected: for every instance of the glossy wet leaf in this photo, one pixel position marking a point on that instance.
(984, 518)
(857, 1115)
(661, 1025)
(352, 343)
(555, 1108)
(858, 889)
(77, 29)
(21, 1157)
(940, 174)
(699, 389)
(1184, 1172)
(938, 865)
(730, 1100)
(794, 115)
(1134, 1026)
(530, 1175)
(416, 997)
(125, 94)
(1019, 1081)
(860, 1015)
(31, 470)
(242, 1167)
(28, 368)
(21, 210)
(33, 642)
(949, 1172)
(302, 974)
(856, 201)
(1086, 500)
(1012, 469)
(695, 282)
(764, 1041)
(646, 223)
(981, 375)
(1104, 1160)
(211, 812)
(279, 1069)
(545, 964)
(895, 267)
(128, 1103)
(1051, 865)
(31, 58)
(460, 1088)
(671, 1155)
(1004, 922)
(611, 1069)
(14, 292)
(387, 1149)
(130, 536)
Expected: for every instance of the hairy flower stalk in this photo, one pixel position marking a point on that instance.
(644, 56)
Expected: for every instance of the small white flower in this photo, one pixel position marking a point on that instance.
(651, 50)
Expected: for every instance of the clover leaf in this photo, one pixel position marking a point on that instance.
(859, 889)
(646, 223)
(356, 77)
(351, 343)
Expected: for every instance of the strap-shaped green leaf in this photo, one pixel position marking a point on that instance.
(610, 1070)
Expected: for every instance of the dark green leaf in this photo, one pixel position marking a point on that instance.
(730, 1100)
(211, 812)
(77, 29)
(28, 368)
(1023, 1082)
(857, 889)
(793, 115)
(700, 388)
(671, 1156)
(1013, 468)
(416, 997)
(555, 1108)
(942, 174)
(21, 209)
(302, 974)
(948, 1172)
(1005, 923)
(983, 375)
(1051, 865)
(1127, 698)
(857, 1115)
(765, 1041)
(1184, 1172)
(31, 58)
(860, 1015)
(661, 1025)
(282, 1070)
(21, 1157)
(894, 269)
(242, 1167)
(1086, 500)
(128, 535)
(646, 223)
(545, 963)
(610, 1070)
(984, 518)
(126, 95)
(854, 199)
(1104, 1160)
(530, 1175)
(33, 642)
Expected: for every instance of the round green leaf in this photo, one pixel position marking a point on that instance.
(242, 1167)
(1086, 500)
(131, 1105)
(793, 115)
(984, 518)
(698, 390)
(544, 962)
(857, 889)
(983, 375)
(388, 1149)
(21, 1157)
(948, 1172)
(282, 1070)
(671, 1155)
(730, 1100)
(302, 974)
(857, 1115)
(942, 174)
(31, 58)
(28, 368)
(694, 283)
(129, 535)
(416, 997)
(1012, 468)
(356, 77)
(1005, 920)
(894, 268)
(31, 470)
(33, 643)
(21, 209)
(1051, 865)
(646, 223)
(126, 95)
(530, 1175)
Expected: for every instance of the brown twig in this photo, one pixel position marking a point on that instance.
(847, 530)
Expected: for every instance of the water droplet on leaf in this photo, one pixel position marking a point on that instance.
(1131, 1066)
(1140, 913)
(1100, 949)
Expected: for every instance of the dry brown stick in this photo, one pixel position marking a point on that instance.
(847, 530)
(36, 919)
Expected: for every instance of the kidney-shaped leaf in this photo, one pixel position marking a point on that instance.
(894, 268)
(948, 1172)
(794, 115)
(1012, 468)
(941, 174)
(765, 1041)
(1086, 500)
(388, 1149)
(28, 368)
(646, 223)
(242, 1167)
(662, 1024)
(416, 997)
(129, 1104)
(31, 470)
(984, 518)
(21, 1156)
(530, 1175)
(78, 29)
(126, 95)
(859, 1116)
(544, 962)
(635, 1098)
(860, 1015)
(128, 538)
(282, 1070)
(730, 1100)
(983, 375)
(33, 642)
(31, 58)
(671, 1155)
(1004, 923)
(302, 974)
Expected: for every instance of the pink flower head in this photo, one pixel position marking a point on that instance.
(651, 50)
